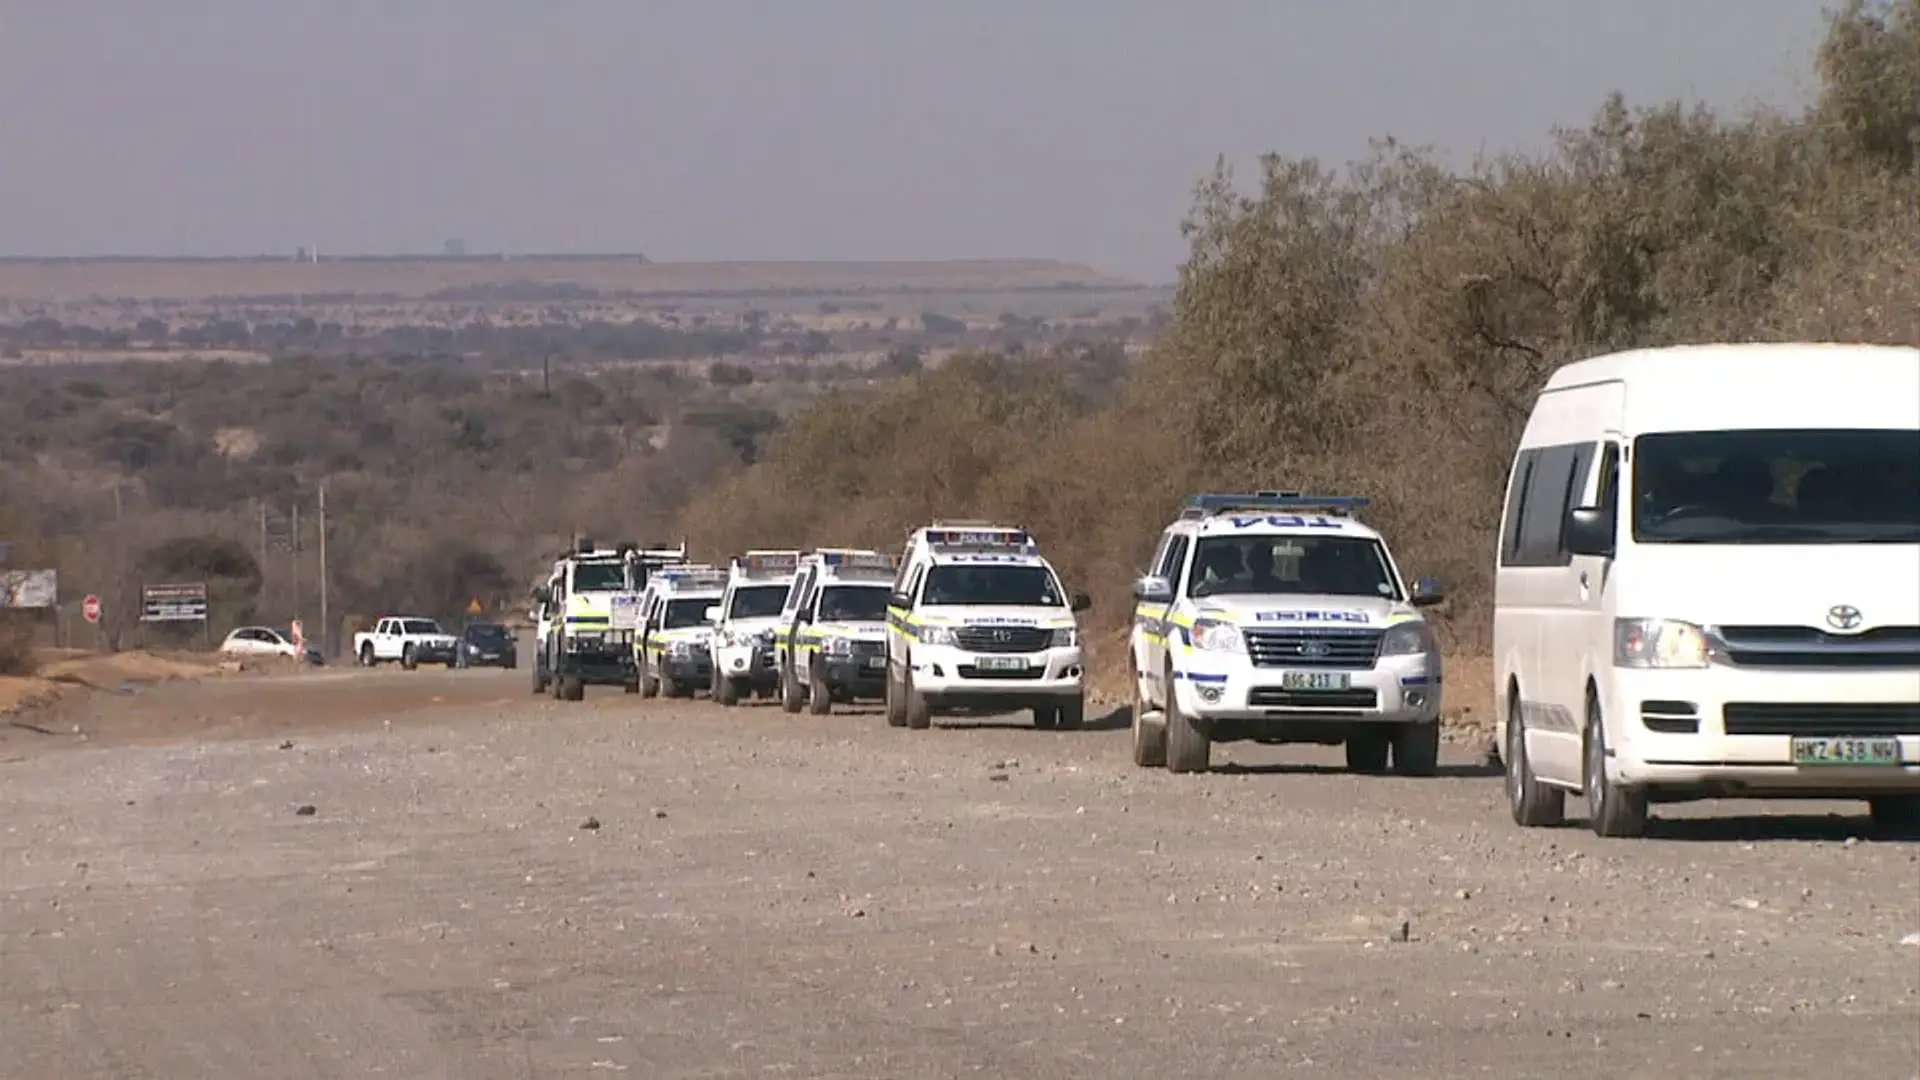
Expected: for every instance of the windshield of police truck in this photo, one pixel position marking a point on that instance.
(419, 627)
(757, 601)
(599, 577)
(1777, 487)
(853, 603)
(681, 614)
(1290, 566)
(991, 584)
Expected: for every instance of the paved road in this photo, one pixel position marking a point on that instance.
(494, 885)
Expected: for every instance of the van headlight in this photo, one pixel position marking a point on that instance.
(937, 635)
(1216, 635)
(1066, 637)
(838, 646)
(1409, 639)
(1658, 643)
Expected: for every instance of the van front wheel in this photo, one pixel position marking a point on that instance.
(1534, 805)
(1612, 811)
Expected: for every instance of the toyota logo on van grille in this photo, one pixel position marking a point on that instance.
(1843, 617)
(1003, 635)
(1315, 648)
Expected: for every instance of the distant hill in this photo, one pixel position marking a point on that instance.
(48, 280)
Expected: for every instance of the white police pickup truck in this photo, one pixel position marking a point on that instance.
(1278, 617)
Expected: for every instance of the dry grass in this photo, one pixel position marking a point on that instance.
(188, 280)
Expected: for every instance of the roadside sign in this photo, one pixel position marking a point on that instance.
(29, 588)
(90, 608)
(173, 603)
(473, 606)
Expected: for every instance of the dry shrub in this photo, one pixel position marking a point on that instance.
(1383, 330)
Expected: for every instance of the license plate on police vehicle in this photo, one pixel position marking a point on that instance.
(1817, 751)
(1314, 680)
(1000, 663)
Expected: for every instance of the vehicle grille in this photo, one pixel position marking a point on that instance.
(1352, 649)
(1002, 639)
(1814, 718)
(1268, 697)
(1806, 646)
(968, 671)
(866, 648)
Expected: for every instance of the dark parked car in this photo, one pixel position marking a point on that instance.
(486, 644)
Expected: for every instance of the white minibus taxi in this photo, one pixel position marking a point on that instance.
(1708, 583)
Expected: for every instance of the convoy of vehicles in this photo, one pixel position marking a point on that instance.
(744, 623)
(1707, 585)
(831, 639)
(1279, 617)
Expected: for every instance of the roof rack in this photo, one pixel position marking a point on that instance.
(858, 559)
(768, 563)
(1271, 502)
(694, 575)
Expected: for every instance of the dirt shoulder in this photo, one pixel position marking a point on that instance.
(436, 874)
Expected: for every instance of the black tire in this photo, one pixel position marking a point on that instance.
(649, 686)
(919, 713)
(1189, 750)
(1149, 737)
(408, 661)
(1895, 812)
(896, 701)
(455, 664)
(819, 694)
(1046, 717)
(791, 697)
(1612, 811)
(632, 686)
(366, 655)
(1534, 805)
(1073, 713)
(1368, 746)
(725, 690)
(671, 688)
(539, 678)
(572, 688)
(1416, 749)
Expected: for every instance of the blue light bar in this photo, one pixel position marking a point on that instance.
(1272, 502)
(867, 560)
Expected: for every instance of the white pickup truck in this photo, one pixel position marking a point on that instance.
(409, 639)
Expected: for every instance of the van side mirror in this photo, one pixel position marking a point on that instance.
(1079, 602)
(1589, 531)
(1427, 592)
(713, 613)
(542, 594)
(899, 600)
(1152, 589)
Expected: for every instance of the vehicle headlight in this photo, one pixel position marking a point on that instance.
(1065, 637)
(1409, 639)
(1658, 643)
(937, 635)
(838, 646)
(680, 648)
(1216, 635)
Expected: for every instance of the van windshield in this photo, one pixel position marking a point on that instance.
(1777, 486)
(757, 601)
(853, 603)
(599, 577)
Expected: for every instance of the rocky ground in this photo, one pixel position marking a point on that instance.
(434, 874)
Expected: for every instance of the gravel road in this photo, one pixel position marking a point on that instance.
(434, 874)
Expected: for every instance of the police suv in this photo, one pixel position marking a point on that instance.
(673, 644)
(745, 622)
(832, 642)
(978, 621)
(1278, 617)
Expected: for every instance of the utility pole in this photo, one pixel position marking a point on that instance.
(293, 556)
(118, 595)
(263, 536)
(326, 624)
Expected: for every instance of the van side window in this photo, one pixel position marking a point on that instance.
(1553, 486)
(1516, 506)
(1606, 494)
(913, 585)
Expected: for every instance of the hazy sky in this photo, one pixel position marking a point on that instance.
(784, 129)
